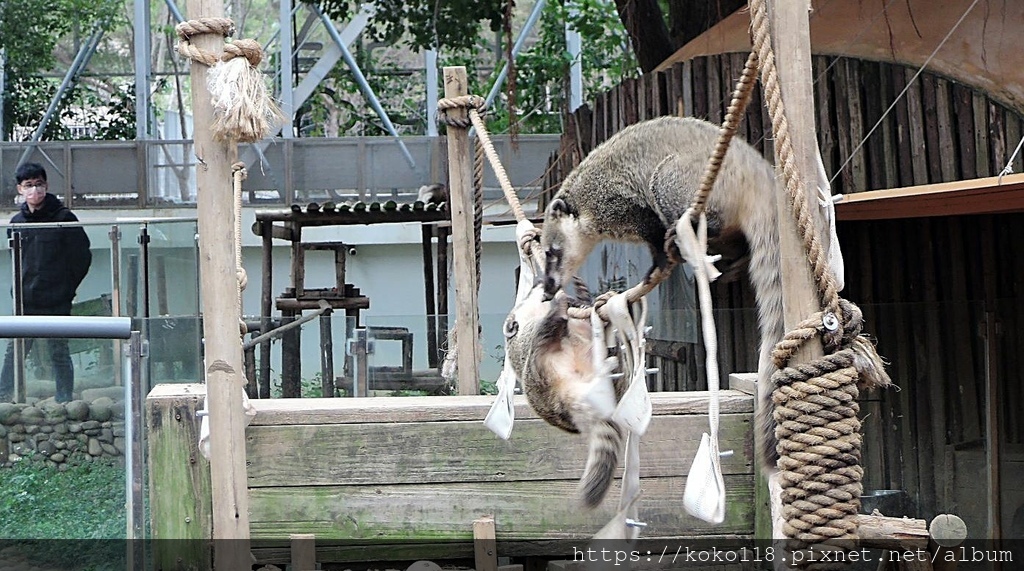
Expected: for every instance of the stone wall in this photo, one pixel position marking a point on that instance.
(59, 434)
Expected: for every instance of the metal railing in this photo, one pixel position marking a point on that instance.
(161, 173)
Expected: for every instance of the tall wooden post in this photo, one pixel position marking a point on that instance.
(792, 45)
(460, 173)
(223, 354)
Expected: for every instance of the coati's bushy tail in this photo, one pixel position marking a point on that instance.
(606, 440)
(764, 270)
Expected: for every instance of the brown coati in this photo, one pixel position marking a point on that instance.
(637, 184)
(551, 355)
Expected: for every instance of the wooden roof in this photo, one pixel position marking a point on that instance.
(974, 196)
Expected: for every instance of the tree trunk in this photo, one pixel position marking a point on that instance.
(691, 18)
(647, 31)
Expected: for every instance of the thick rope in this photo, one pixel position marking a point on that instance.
(473, 104)
(223, 26)
(238, 174)
(478, 206)
(243, 110)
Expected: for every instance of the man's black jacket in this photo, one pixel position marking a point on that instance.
(54, 260)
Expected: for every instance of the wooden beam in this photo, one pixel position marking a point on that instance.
(461, 195)
(224, 381)
(303, 551)
(485, 544)
(975, 196)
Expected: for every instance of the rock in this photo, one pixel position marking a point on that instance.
(16, 437)
(90, 425)
(119, 430)
(3, 431)
(46, 429)
(7, 410)
(106, 435)
(32, 415)
(62, 467)
(77, 410)
(32, 429)
(109, 449)
(95, 449)
(20, 448)
(60, 429)
(113, 393)
(60, 444)
(100, 411)
(57, 457)
(74, 427)
(48, 448)
(119, 444)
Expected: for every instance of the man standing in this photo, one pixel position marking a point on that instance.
(54, 261)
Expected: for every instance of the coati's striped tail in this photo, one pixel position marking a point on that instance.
(603, 458)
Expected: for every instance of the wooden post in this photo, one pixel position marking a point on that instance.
(224, 383)
(791, 42)
(266, 304)
(460, 168)
(303, 552)
(485, 547)
(427, 231)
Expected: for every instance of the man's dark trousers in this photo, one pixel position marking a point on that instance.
(63, 371)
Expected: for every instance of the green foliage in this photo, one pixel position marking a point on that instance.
(425, 23)
(29, 35)
(339, 108)
(84, 502)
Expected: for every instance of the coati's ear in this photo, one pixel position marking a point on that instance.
(558, 207)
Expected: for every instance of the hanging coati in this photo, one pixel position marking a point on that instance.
(551, 354)
(637, 184)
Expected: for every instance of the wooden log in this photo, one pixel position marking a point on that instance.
(947, 532)
(461, 196)
(223, 349)
(303, 551)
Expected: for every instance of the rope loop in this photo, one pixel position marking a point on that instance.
(469, 102)
(248, 48)
(187, 30)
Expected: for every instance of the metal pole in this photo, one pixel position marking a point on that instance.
(430, 63)
(115, 288)
(19, 309)
(65, 327)
(174, 11)
(142, 69)
(371, 97)
(573, 45)
(530, 21)
(80, 61)
(287, 57)
(3, 67)
(135, 465)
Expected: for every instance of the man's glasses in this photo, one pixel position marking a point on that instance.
(33, 186)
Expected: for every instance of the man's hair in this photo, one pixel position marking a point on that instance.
(29, 171)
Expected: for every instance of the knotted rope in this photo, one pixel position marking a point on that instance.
(238, 174)
(243, 110)
(815, 409)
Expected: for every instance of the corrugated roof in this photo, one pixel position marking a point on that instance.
(329, 214)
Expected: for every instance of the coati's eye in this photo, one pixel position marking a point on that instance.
(511, 328)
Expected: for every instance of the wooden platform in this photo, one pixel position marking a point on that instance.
(400, 478)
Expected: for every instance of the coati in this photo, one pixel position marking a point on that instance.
(635, 185)
(551, 354)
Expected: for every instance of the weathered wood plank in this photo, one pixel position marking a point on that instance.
(523, 510)
(453, 408)
(964, 140)
(172, 429)
(904, 149)
(915, 122)
(825, 114)
(685, 70)
(947, 151)
(405, 453)
(421, 452)
(889, 127)
(846, 145)
(700, 87)
(930, 101)
(981, 135)
(874, 146)
(858, 162)
(714, 90)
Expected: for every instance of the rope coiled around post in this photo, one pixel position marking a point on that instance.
(243, 109)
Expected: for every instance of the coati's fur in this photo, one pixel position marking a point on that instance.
(635, 185)
(551, 355)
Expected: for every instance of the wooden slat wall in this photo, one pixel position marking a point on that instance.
(920, 282)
